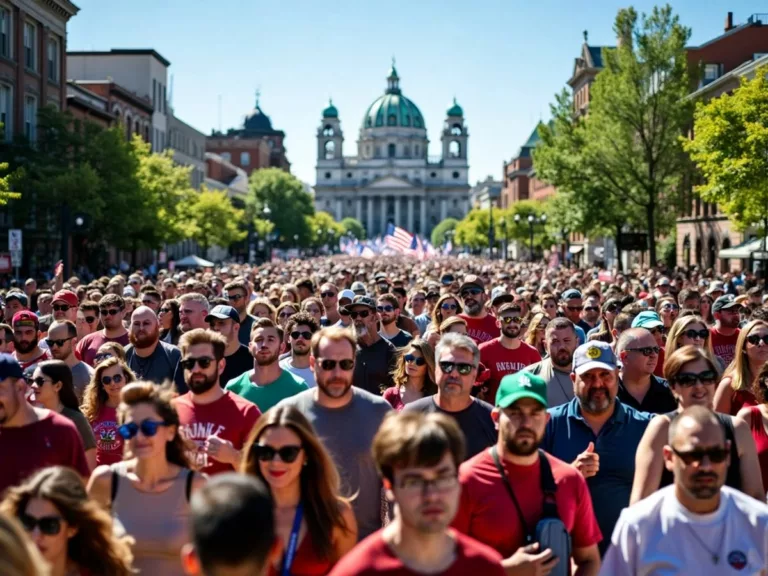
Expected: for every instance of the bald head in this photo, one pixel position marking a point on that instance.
(634, 338)
(694, 421)
(145, 329)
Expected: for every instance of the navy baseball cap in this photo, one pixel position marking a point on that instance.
(9, 367)
(593, 355)
(571, 294)
(222, 312)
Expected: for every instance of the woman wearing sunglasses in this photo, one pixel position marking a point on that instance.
(668, 310)
(149, 492)
(71, 531)
(285, 311)
(18, 554)
(413, 376)
(314, 522)
(100, 401)
(109, 350)
(692, 377)
(447, 306)
(735, 389)
(535, 334)
(51, 386)
(756, 417)
(692, 331)
(170, 322)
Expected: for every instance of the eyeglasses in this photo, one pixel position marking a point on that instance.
(285, 314)
(471, 292)
(235, 297)
(109, 380)
(89, 319)
(58, 343)
(511, 319)
(327, 294)
(689, 379)
(189, 363)
(420, 485)
(148, 428)
(755, 339)
(162, 311)
(359, 314)
(61, 307)
(110, 311)
(413, 359)
(306, 335)
(266, 453)
(327, 364)
(670, 306)
(385, 308)
(49, 525)
(449, 306)
(715, 455)
(693, 334)
(463, 368)
(646, 350)
(575, 308)
(39, 381)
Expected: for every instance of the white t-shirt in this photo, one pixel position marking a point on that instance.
(306, 373)
(658, 536)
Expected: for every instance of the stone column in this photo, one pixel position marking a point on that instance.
(383, 215)
(443, 208)
(410, 214)
(359, 209)
(369, 218)
(339, 208)
(398, 222)
(423, 215)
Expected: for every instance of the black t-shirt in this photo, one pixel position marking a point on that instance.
(244, 335)
(237, 364)
(400, 339)
(658, 400)
(475, 422)
(161, 365)
(373, 366)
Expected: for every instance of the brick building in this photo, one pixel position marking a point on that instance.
(131, 111)
(87, 106)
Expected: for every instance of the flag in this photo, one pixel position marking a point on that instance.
(399, 239)
(367, 252)
(448, 248)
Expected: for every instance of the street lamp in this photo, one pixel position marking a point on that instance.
(491, 233)
(532, 221)
(266, 212)
(503, 226)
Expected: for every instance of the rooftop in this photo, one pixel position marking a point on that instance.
(123, 52)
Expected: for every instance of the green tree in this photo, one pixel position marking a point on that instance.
(438, 237)
(287, 201)
(730, 149)
(6, 185)
(355, 227)
(211, 220)
(472, 230)
(324, 230)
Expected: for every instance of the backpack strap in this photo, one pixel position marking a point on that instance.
(548, 487)
(113, 489)
(188, 489)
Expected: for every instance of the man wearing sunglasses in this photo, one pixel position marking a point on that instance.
(61, 340)
(375, 356)
(651, 321)
(388, 308)
(345, 299)
(236, 292)
(111, 311)
(481, 326)
(26, 340)
(330, 297)
(226, 321)
(456, 361)
(698, 525)
(639, 387)
(148, 357)
(725, 332)
(506, 354)
(300, 328)
(87, 318)
(572, 305)
(64, 306)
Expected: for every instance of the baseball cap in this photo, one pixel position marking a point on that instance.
(724, 302)
(358, 286)
(522, 384)
(471, 281)
(9, 367)
(447, 279)
(25, 318)
(347, 293)
(663, 281)
(571, 294)
(363, 301)
(222, 312)
(20, 296)
(499, 295)
(715, 286)
(592, 355)
(648, 319)
(129, 292)
(66, 296)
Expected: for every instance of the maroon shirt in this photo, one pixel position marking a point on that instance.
(88, 346)
(53, 440)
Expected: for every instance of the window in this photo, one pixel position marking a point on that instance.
(454, 149)
(30, 46)
(711, 72)
(164, 104)
(391, 149)
(407, 151)
(455, 175)
(328, 130)
(6, 112)
(245, 159)
(349, 174)
(226, 156)
(377, 152)
(53, 59)
(416, 151)
(330, 150)
(328, 177)
(433, 174)
(30, 117)
(5, 33)
(456, 130)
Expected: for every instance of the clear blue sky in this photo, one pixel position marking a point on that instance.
(503, 59)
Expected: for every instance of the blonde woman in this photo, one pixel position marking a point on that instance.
(447, 306)
(414, 374)
(735, 389)
(453, 324)
(692, 331)
(535, 333)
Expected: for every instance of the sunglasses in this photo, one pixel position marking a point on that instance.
(693, 334)
(49, 525)
(463, 368)
(449, 306)
(591, 309)
(612, 308)
(285, 314)
(471, 292)
(110, 312)
(39, 381)
(646, 350)
(360, 314)
(58, 343)
(669, 306)
(265, 453)
(148, 428)
(715, 455)
(511, 319)
(386, 308)
(689, 379)
(755, 339)
(306, 335)
(327, 294)
(101, 357)
(658, 330)
(328, 365)
(108, 380)
(412, 359)
(61, 307)
(89, 319)
(575, 308)
(203, 361)
(162, 311)
(235, 297)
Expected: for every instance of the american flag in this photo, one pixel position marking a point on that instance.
(399, 239)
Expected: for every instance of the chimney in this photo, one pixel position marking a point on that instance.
(729, 21)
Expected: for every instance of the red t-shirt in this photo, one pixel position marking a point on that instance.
(88, 346)
(109, 443)
(487, 513)
(481, 329)
(42, 357)
(501, 361)
(373, 556)
(724, 346)
(659, 370)
(231, 417)
(51, 441)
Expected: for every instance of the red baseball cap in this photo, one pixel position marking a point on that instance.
(25, 318)
(66, 296)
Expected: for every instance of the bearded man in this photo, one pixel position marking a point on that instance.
(148, 357)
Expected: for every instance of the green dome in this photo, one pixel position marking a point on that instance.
(455, 110)
(331, 111)
(393, 109)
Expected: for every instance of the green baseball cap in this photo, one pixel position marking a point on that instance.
(519, 385)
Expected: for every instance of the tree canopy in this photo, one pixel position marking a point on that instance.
(438, 236)
(355, 227)
(211, 220)
(288, 203)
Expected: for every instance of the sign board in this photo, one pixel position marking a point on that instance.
(634, 241)
(5, 263)
(16, 258)
(162, 257)
(760, 255)
(14, 240)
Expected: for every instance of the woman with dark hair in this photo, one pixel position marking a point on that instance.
(668, 310)
(52, 388)
(604, 331)
(170, 322)
(413, 376)
(314, 522)
(73, 533)
(705, 309)
(285, 311)
(149, 491)
(756, 417)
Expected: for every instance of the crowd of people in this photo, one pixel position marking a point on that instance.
(351, 417)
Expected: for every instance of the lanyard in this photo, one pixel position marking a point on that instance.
(293, 540)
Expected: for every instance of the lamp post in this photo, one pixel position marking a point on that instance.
(503, 226)
(532, 221)
(491, 233)
(268, 249)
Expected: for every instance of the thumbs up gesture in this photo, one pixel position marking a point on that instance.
(588, 462)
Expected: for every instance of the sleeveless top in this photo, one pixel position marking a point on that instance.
(733, 476)
(760, 436)
(158, 522)
(306, 562)
(740, 399)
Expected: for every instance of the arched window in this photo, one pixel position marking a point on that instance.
(330, 150)
(454, 149)
(245, 159)
(391, 120)
(712, 252)
(391, 149)
(328, 130)
(456, 130)
(724, 261)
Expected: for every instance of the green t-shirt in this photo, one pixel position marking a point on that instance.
(286, 385)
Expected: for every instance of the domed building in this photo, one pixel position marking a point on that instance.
(392, 178)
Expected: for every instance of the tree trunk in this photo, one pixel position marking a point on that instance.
(617, 239)
(650, 210)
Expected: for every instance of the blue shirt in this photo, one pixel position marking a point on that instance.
(580, 336)
(568, 435)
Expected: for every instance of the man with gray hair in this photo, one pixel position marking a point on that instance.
(193, 310)
(560, 340)
(456, 361)
(638, 354)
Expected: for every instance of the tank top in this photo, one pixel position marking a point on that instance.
(306, 562)
(733, 477)
(760, 436)
(158, 522)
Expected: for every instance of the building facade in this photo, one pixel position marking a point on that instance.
(129, 110)
(88, 106)
(392, 178)
(33, 73)
(188, 145)
(485, 193)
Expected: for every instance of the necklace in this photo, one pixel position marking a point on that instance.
(715, 557)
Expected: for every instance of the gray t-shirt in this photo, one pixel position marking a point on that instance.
(305, 373)
(83, 426)
(158, 367)
(81, 376)
(347, 434)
